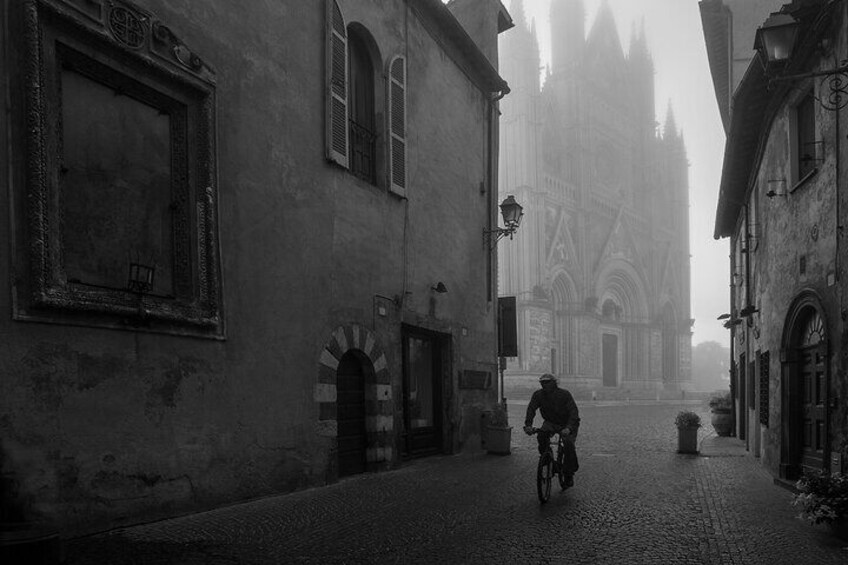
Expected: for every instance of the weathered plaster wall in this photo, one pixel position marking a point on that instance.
(800, 223)
(106, 427)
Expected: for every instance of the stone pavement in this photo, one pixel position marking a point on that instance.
(636, 501)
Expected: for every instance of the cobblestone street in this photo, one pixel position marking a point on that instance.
(635, 501)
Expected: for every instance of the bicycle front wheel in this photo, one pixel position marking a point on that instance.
(544, 474)
(561, 474)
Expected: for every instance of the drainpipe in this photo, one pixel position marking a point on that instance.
(747, 253)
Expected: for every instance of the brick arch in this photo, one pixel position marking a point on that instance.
(379, 412)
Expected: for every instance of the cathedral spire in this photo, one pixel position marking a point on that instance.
(639, 44)
(568, 33)
(670, 128)
(672, 136)
(603, 39)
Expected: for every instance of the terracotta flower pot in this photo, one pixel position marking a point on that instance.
(722, 421)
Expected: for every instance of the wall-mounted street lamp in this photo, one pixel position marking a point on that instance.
(512, 213)
(748, 311)
(775, 41)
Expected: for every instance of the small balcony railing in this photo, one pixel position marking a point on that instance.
(363, 152)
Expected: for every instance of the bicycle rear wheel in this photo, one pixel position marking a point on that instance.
(544, 474)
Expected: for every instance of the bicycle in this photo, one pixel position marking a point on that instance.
(549, 466)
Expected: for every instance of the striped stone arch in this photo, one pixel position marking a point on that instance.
(379, 403)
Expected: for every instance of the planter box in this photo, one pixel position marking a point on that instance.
(687, 440)
(497, 439)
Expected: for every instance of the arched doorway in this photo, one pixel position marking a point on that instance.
(611, 314)
(565, 326)
(350, 407)
(805, 384)
(624, 325)
(670, 354)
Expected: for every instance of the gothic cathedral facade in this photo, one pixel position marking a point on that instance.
(600, 268)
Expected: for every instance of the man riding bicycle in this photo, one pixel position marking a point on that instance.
(560, 414)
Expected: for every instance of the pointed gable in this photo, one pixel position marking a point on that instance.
(669, 280)
(621, 244)
(561, 249)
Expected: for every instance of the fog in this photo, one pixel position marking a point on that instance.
(676, 40)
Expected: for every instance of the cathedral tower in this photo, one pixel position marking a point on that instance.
(600, 267)
(568, 32)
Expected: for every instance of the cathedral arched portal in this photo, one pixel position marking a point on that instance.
(623, 331)
(670, 349)
(567, 308)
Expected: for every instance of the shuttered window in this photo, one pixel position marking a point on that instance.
(397, 125)
(806, 131)
(337, 81)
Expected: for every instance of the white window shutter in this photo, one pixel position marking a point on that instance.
(397, 125)
(337, 80)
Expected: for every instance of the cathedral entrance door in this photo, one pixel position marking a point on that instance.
(609, 344)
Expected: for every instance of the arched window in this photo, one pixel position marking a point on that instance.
(363, 137)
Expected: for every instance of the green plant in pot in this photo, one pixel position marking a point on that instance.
(687, 431)
(687, 419)
(721, 406)
(823, 499)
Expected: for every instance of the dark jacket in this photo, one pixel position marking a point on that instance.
(557, 407)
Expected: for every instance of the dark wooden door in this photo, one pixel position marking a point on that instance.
(350, 403)
(813, 401)
(610, 359)
(743, 398)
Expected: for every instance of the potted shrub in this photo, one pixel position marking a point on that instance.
(497, 433)
(823, 499)
(687, 431)
(721, 406)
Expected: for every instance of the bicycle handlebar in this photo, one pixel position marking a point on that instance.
(537, 430)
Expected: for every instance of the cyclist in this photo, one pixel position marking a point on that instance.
(560, 414)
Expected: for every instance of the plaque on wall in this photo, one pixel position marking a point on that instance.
(121, 188)
(481, 380)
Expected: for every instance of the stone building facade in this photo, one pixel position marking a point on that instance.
(601, 269)
(781, 206)
(226, 227)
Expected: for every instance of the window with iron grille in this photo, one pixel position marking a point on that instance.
(765, 359)
(361, 106)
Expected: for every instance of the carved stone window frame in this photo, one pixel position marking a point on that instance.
(125, 48)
